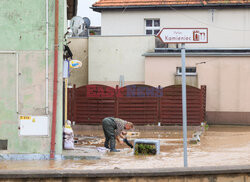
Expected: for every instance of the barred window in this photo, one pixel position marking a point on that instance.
(189, 71)
(152, 26)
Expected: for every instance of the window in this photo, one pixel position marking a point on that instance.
(152, 26)
(189, 71)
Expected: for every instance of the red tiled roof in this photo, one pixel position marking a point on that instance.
(113, 3)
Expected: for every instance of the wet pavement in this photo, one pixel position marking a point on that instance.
(219, 146)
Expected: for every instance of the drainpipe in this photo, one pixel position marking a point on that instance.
(53, 129)
(47, 60)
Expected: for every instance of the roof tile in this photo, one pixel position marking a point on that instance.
(108, 3)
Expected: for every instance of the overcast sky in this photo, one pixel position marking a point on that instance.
(85, 11)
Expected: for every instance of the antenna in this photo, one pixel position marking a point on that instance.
(77, 25)
(86, 22)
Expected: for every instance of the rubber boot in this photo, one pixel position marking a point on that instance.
(112, 145)
(106, 144)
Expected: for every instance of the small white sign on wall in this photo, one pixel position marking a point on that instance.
(34, 125)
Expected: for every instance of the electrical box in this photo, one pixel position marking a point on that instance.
(34, 125)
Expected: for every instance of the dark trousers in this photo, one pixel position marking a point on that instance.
(109, 126)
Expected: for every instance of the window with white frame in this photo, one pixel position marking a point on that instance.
(152, 26)
(189, 71)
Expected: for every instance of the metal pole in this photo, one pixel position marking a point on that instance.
(55, 84)
(66, 100)
(184, 103)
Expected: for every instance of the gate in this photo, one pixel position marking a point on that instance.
(140, 104)
(171, 105)
(90, 104)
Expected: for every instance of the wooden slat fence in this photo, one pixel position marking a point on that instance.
(140, 104)
(171, 105)
(90, 104)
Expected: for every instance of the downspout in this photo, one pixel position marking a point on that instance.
(53, 129)
(47, 60)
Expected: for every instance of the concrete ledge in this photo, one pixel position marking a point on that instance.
(28, 157)
(47, 157)
(120, 173)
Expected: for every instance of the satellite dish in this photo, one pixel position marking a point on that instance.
(77, 25)
(86, 22)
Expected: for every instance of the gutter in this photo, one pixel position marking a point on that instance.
(196, 54)
(162, 52)
(152, 7)
(53, 129)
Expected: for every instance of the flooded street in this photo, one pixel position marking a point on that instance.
(219, 146)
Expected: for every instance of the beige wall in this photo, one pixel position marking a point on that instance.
(79, 48)
(227, 79)
(115, 83)
(227, 27)
(112, 56)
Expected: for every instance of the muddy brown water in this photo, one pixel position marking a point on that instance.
(220, 145)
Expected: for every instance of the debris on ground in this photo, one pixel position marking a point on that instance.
(196, 137)
(88, 140)
(68, 136)
(133, 134)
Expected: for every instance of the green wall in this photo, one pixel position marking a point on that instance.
(23, 29)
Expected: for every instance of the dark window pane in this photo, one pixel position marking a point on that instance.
(149, 23)
(149, 32)
(180, 70)
(3, 144)
(188, 69)
(191, 70)
(156, 23)
(156, 31)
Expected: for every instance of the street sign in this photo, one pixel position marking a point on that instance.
(183, 35)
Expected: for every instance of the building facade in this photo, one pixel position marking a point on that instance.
(27, 69)
(222, 64)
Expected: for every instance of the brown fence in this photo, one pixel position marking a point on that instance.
(171, 105)
(90, 108)
(140, 104)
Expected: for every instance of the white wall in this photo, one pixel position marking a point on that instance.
(227, 27)
(79, 49)
(112, 56)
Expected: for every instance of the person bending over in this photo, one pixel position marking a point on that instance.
(113, 128)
